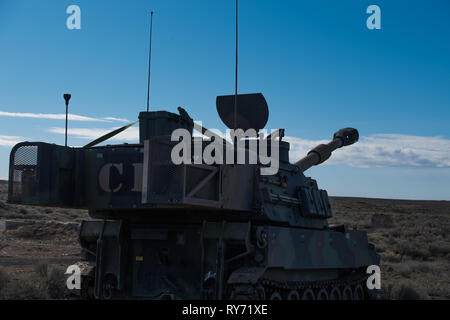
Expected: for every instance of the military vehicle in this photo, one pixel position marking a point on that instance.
(161, 230)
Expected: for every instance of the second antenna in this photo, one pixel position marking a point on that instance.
(149, 61)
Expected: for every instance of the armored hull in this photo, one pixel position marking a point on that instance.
(223, 260)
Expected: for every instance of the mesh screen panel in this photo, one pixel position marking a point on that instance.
(24, 172)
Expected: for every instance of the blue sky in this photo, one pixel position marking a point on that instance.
(318, 65)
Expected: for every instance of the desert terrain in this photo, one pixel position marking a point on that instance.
(38, 244)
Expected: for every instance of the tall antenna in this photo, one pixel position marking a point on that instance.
(236, 72)
(149, 61)
(67, 97)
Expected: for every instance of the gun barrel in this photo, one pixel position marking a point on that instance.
(322, 152)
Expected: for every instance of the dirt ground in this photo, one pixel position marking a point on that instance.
(412, 238)
(36, 248)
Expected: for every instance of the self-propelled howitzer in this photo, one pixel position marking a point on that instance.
(197, 230)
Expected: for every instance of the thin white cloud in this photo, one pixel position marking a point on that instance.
(131, 134)
(62, 116)
(9, 141)
(116, 119)
(378, 150)
(383, 150)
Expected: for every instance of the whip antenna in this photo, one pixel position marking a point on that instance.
(67, 97)
(236, 72)
(149, 60)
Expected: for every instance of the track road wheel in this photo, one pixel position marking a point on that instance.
(322, 294)
(347, 293)
(335, 294)
(358, 293)
(260, 293)
(276, 296)
(293, 295)
(308, 294)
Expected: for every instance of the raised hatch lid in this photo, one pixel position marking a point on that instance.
(252, 111)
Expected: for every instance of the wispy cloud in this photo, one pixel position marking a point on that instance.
(62, 116)
(116, 119)
(131, 134)
(9, 141)
(378, 150)
(383, 150)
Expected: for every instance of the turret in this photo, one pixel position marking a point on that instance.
(322, 152)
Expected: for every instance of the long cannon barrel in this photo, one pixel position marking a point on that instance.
(322, 152)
